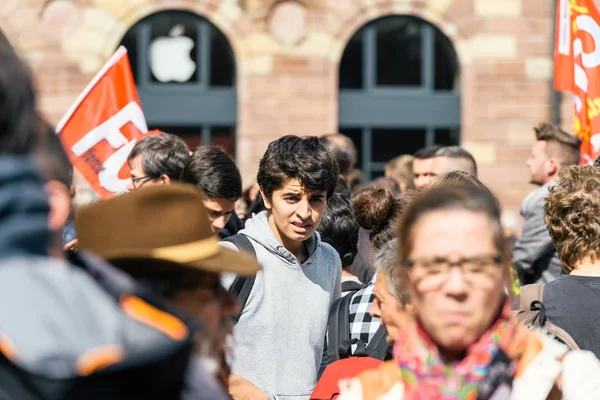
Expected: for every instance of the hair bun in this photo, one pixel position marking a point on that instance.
(372, 208)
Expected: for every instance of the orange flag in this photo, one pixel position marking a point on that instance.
(102, 126)
(577, 68)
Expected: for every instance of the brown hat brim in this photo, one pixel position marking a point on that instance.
(206, 255)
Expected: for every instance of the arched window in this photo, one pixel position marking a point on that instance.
(398, 81)
(184, 69)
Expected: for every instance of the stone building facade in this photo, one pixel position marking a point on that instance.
(287, 71)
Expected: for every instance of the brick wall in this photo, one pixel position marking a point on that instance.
(288, 57)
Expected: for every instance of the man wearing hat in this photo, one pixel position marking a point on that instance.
(162, 237)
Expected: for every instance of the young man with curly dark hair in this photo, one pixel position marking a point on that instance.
(572, 214)
(280, 335)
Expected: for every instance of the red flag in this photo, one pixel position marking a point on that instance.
(102, 126)
(577, 68)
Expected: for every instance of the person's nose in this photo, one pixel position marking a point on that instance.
(130, 185)
(303, 210)
(456, 284)
(218, 224)
(420, 182)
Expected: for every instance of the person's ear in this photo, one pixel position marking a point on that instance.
(266, 200)
(553, 166)
(59, 198)
(164, 179)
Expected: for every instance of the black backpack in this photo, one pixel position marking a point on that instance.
(338, 334)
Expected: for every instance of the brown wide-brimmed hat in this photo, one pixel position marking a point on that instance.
(158, 228)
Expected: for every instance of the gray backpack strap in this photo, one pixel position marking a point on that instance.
(531, 313)
(561, 334)
(529, 294)
(242, 285)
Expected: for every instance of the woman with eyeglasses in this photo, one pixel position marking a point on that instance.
(464, 343)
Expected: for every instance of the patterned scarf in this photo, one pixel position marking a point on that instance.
(427, 376)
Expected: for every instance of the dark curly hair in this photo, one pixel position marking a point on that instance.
(302, 158)
(572, 214)
(339, 228)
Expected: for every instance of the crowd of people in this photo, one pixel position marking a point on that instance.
(309, 284)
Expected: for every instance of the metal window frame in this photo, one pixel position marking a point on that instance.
(186, 104)
(384, 106)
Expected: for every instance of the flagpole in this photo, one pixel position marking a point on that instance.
(555, 96)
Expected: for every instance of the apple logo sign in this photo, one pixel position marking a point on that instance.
(170, 57)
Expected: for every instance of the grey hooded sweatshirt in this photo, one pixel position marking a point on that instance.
(280, 335)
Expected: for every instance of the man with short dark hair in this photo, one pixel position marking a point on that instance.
(280, 334)
(534, 255)
(158, 159)
(423, 166)
(454, 158)
(215, 173)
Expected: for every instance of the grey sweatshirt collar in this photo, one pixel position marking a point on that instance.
(258, 229)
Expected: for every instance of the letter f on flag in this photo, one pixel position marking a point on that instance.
(103, 125)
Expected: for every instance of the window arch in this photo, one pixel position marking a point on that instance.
(398, 84)
(184, 69)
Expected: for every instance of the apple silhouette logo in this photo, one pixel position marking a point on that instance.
(170, 57)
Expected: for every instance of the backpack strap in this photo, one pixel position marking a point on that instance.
(529, 305)
(338, 326)
(378, 347)
(561, 334)
(345, 348)
(529, 294)
(242, 285)
(532, 313)
(351, 286)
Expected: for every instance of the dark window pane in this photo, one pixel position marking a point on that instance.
(392, 142)
(446, 63)
(223, 136)
(446, 137)
(351, 66)
(222, 69)
(398, 51)
(130, 43)
(172, 53)
(377, 174)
